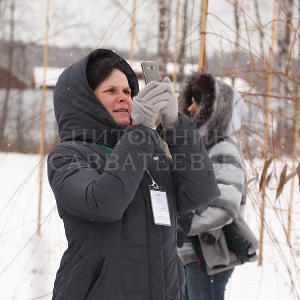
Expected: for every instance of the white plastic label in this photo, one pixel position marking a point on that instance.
(160, 206)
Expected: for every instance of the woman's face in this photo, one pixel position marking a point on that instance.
(193, 107)
(115, 95)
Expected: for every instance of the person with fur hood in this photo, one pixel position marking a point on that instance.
(218, 112)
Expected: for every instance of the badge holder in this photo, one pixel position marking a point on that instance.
(159, 203)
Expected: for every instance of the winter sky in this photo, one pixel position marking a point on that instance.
(107, 23)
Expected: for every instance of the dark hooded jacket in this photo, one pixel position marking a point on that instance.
(115, 251)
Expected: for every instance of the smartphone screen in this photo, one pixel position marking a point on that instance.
(151, 71)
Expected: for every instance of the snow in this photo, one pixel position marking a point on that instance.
(29, 263)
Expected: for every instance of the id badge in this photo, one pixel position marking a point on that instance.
(160, 207)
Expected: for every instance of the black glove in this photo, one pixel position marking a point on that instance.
(184, 222)
(239, 241)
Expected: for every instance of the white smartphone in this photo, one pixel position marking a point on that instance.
(150, 71)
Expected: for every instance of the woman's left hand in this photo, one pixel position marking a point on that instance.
(169, 114)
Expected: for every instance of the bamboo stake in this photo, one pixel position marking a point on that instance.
(176, 45)
(42, 140)
(294, 163)
(201, 61)
(133, 22)
(266, 145)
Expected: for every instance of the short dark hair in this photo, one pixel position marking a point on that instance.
(99, 68)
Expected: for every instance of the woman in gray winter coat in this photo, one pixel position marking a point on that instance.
(218, 112)
(115, 189)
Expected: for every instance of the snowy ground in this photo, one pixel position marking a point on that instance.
(28, 263)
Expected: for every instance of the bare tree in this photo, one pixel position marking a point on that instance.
(1, 8)
(284, 43)
(237, 40)
(3, 5)
(19, 118)
(284, 34)
(9, 69)
(164, 33)
(181, 55)
(259, 23)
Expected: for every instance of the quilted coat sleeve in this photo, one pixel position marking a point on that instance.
(231, 178)
(192, 170)
(101, 195)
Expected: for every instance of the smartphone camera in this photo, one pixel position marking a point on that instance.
(150, 71)
(151, 67)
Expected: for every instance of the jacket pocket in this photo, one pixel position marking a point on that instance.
(97, 279)
(84, 278)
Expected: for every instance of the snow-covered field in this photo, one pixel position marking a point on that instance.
(28, 263)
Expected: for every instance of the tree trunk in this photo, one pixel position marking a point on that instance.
(168, 27)
(164, 32)
(285, 30)
(295, 148)
(9, 72)
(181, 55)
(259, 23)
(20, 145)
(284, 44)
(2, 9)
(260, 76)
(237, 40)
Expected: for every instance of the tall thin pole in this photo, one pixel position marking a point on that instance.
(133, 22)
(201, 61)
(42, 134)
(176, 44)
(266, 144)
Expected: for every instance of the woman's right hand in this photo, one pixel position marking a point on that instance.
(149, 101)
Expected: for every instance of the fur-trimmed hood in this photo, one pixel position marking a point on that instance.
(221, 109)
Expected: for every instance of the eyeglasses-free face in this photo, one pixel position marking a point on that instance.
(115, 95)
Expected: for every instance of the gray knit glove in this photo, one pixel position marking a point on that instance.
(169, 114)
(149, 101)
